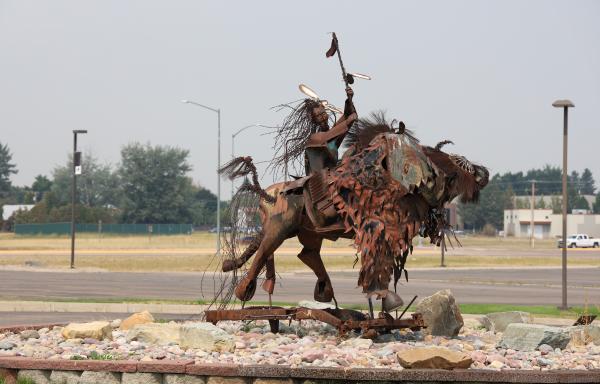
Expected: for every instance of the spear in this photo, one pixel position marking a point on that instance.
(335, 48)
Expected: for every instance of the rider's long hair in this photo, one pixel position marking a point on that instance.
(292, 135)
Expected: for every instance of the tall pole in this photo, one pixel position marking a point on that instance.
(565, 104)
(232, 157)
(532, 225)
(565, 203)
(218, 183)
(73, 202)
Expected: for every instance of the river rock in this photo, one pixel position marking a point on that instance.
(315, 305)
(584, 334)
(528, 337)
(441, 314)
(135, 319)
(29, 334)
(498, 321)
(152, 333)
(96, 330)
(433, 358)
(6, 345)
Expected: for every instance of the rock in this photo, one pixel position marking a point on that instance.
(29, 334)
(225, 380)
(64, 377)
(498, 321)
(116, 323)
(543, 362)
(584, 334)
(96, 330)
(356, 343)
(206, 336)
(93, 377)
(312, 355)
(315, 305)
(176, 378)
(433, 358)
(496, 364)
(545, 349)
(441, 314)
(199, 335)
(6, 345)
(528, 337)
(141, 378)
(272, 381)
(37, 376)
(135, 319)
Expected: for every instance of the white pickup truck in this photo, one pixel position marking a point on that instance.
(580, 240)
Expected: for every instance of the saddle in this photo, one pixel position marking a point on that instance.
(318, 202)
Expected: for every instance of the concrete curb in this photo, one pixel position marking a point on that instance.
(49, 306)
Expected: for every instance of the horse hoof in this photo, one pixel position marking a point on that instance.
(392, 301)
(269, 286)
(323, 291)
(245, 289)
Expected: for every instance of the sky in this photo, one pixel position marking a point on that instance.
(480, 73)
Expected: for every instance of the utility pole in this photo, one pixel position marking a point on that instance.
(565, 104)
(532, 225)
(76, 171)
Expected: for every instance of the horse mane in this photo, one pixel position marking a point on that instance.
(364, 130)
(465, 185)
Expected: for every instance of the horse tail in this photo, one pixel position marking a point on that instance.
(243, 166)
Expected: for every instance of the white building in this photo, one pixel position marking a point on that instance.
(517, 223)
(9, 209)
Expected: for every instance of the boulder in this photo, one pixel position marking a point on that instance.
(135, 319)
(205, 336)
(498, 321)
(433, 358)
(441, 314)
(315, 305)
(584, 334)
(528, 337)
(98, 330)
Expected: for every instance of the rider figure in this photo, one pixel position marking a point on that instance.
(322, 146)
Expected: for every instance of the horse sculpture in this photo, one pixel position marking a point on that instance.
(386, 189)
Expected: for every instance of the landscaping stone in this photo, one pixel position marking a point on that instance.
(498, 321)
(135, 319)
(206, 336)
(96, 330)
(161, 334)
(38, 376)
(29, 334)
(272, 381)
(441, 314)
(315, 304)
(65, 377)
(93, 377)
(174, 378)
(584, 334)
(7, 345)
(141, 378)
(225, 380)
(528, 337)
(433, 358)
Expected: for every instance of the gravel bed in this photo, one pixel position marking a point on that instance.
(309, 344)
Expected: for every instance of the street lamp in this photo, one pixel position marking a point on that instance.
(218, 112)
(233, 135)
(76, 171)
(565, 104)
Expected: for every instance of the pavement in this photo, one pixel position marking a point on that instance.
(40, 288)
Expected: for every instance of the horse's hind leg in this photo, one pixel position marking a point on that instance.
(311, 256)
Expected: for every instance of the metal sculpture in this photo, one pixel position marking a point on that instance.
(386, 189)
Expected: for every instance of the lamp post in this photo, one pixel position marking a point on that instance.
(233, 135)
(218, 112)
(76, 171)
(565, 105)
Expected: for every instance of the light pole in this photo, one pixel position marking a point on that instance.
(76, 170)
(565, 104)
(233, 135)
(218, 112)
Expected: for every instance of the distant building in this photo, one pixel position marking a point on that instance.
(9, 209)
(517, 223)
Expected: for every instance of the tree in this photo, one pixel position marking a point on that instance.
(494, 199)
(596, 205)
(40, 186)
(6, 169)
(587, 183)
(155, 186)
(97, 186)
